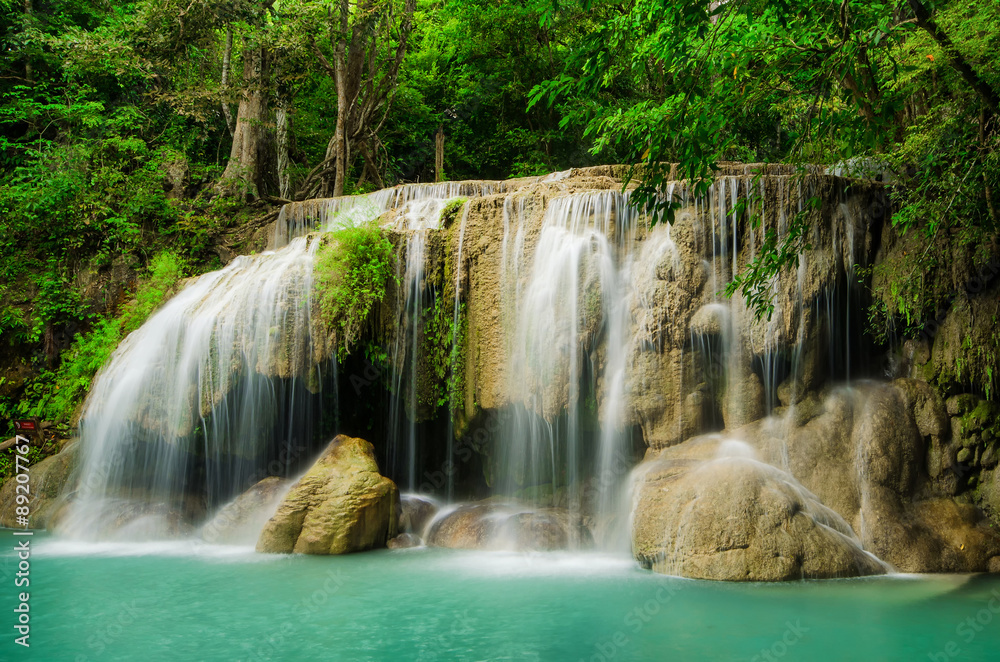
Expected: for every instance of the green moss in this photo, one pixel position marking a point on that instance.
(985, 417)
(444, 347)
(451, 210)
(8, 464)
(352, 268)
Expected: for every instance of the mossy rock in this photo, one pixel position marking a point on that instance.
(342, 504)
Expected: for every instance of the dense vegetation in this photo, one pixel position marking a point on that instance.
(139, 139)
(353, 267)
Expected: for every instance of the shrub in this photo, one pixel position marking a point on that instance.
(352, 268)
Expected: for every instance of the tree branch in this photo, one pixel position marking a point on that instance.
(988, 95)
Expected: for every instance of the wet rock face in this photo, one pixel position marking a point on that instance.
(495, 526)
(241, 520)
(858, 453)
(677, 305)
(737, 519)
(415, 513)
(49, 479)
(341, 505)
(404, 541)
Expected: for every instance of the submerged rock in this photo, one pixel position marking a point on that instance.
(342, 504)
(404, 541)
(241, 520)
(499, 526)
(736, 519)
(50, 478)
(415, 513)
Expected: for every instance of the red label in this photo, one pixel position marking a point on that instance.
(24, 425)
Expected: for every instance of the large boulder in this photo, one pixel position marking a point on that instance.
(342, 504)
(507, 527)
(48, 481)
(240, 521)
(737, 519)
(871, 454)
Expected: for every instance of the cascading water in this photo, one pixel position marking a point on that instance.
(405, 360)
(418, 213)
(299, 218)
(221, 382)
(456, 348)
(572, 306)
(193, 405)
(225, 377)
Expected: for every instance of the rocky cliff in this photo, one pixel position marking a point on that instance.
(545, 343)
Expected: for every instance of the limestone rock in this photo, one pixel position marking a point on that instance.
(498, 526)
(989, 492)
(941, 535)
(966, 345)
(404, 541)
(744, 400)
(415, 513)
(738, 519)
(865, 455)
(341, 505)
(49, 479)
(241, 520)
(929, 411)
(710, 320)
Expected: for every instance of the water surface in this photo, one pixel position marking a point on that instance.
(190, 601)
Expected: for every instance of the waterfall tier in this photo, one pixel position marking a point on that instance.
(541, 336)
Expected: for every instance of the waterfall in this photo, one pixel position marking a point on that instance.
(405, 359)
(220, 388)
(573, 305)
(589, 309)
(456, 348)
(193, 405)
(417, 219)
(299, 218)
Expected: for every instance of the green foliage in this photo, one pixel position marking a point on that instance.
(451, 210)
(8, 465)
(444, 349)
(55, 394)
(776, 255)
(470, 70)
(112, 136)
(352, 268)
(697, 83)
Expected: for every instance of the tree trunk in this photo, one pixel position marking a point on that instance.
(365, 79)
(251, 167)
(226, 57)
(343, 102)
(284, 177)
(28, 73)
(439, 155)
(340, 141)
